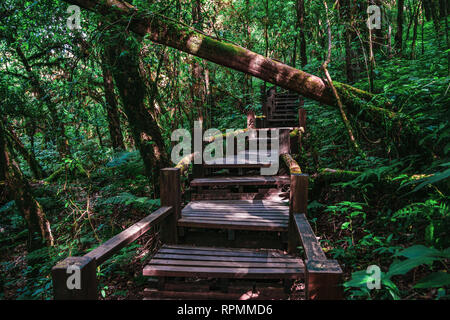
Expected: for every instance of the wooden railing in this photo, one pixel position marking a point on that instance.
(323, 276)
(74, 278)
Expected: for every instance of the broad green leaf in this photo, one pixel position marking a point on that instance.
(436, 279)
(418, 251)
(403, 267)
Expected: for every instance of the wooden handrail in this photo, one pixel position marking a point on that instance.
(129, 235)
(74, 278)
(312, 248)
(322, 275)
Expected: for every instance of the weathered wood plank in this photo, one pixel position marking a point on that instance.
(233, 196)
(170, 194)
(313, 250)
(263, 226)
(238, 273)
(171, 256)
(220, 250)
(222, 264)
(249, 180)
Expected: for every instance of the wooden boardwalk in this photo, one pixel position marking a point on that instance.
(231, 196)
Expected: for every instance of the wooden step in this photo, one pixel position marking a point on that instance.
(258, 215)
(241, 181)
(244, 161)
(206, 262)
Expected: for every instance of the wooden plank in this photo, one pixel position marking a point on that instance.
(232, 196)
(231, 209)
(226, 219)
(153, 294)
(235, 272)
(280, 215)
(264, 226)
(313, 250)
(298, 202)
(219, 252)
(113, 245)
(237, 251)
(249, 180)
(170, 194)
(240, 203)
(186, 256)
(237, 215)
(206, 294)
(227, 264)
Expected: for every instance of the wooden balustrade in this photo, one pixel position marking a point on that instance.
(64, 273)
(323, 276)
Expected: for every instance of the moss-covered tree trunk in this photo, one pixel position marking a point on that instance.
(122, 55)
(19, 190)
(115, 130)
(28, 155)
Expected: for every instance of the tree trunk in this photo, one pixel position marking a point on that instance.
(399, 34)
(416, 22)
(123, 55)
(301, 14)
(443, 8)
(115, 130)
(20, 191)
(29, 157)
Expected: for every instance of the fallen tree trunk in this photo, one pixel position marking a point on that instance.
(174, 34)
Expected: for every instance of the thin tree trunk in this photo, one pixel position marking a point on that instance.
(399, 34)
(347, 124)
(416, 22)
(115, 130)
(301, 15)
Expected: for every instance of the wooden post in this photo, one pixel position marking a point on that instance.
(298, 202)
(74, 278)
(198, 147)
(302, 118)
(284, 141)
(170, 185)
(323, 280)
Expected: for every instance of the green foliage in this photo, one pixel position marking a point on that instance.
(416, 256)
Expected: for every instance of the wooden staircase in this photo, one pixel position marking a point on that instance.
(235, 235)
(247, 203)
